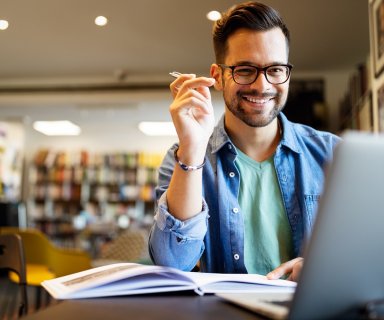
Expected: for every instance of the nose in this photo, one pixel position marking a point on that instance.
(261, 82)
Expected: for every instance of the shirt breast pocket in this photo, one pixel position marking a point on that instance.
(311, 205)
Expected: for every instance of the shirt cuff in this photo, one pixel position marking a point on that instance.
(193, 228)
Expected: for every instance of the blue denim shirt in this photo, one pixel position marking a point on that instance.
(216, 234)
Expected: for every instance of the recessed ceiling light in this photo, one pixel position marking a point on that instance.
(214, 15)
(101, 21)
(57, 128)
(4, 24)
(157, 128)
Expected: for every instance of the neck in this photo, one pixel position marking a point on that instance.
(257, 143)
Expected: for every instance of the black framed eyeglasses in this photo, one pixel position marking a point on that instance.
(275, 74)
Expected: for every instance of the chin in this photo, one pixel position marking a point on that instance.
(259, 120)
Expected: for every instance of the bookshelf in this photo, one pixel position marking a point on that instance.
(355, 108)
(73, 191)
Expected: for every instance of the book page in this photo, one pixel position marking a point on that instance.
(131, 278)
(111, 279)
(222, 282)
(243, 287)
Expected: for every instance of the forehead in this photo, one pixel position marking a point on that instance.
(258, 47)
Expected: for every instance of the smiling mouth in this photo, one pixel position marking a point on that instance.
(258, 100)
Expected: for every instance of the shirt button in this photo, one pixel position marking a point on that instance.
(231, 174)
(236, 256)
(235, 210)
(229, 146)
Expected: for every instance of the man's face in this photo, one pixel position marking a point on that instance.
(256, 104)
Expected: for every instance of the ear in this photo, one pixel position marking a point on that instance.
(217, 75)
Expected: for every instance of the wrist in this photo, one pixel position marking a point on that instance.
(191, 153)
(190, 164)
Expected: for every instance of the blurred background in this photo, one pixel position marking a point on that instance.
(57, 64)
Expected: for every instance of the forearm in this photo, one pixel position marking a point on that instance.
(184, 195)
(182, 216)
(192, 115)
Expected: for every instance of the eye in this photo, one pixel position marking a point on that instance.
(277, 70)
(244, 71)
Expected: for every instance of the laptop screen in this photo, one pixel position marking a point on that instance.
(344, 260)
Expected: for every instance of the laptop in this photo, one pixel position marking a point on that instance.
(344, 259)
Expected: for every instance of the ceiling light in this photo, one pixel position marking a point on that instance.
(214, 15)
(4, 24)
(153, 128)
(101, 21)
(57, 128)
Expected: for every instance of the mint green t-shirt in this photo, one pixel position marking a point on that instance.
(267, 233)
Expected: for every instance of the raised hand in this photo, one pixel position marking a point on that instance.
(192, 113)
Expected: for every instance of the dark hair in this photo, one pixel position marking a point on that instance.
(250, 15)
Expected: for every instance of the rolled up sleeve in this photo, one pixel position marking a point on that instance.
(177, 243)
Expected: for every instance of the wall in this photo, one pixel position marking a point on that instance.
(11, 160)
(336, 84)
(109, 121)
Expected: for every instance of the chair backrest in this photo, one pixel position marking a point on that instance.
(12, 258)
(39, 250)
(128, 246)
(35, 244)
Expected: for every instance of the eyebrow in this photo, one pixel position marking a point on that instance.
(249, 63)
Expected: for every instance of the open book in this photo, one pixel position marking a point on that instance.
(131, 278)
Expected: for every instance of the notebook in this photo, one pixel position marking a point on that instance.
(344, 259)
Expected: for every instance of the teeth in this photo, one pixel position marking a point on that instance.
(255, 100)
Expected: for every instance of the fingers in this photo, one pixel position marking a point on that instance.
(294, 276)
(187, 82)
(291, 268)
(192, 110)
(194, 99)
(191, 93)
(176, 84)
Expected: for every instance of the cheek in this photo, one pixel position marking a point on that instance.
(230, 92)
(229, 86)
(283, 91)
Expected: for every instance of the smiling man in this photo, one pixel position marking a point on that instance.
(239, 197)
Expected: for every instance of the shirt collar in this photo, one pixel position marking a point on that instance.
(289, 138)
(220, 137)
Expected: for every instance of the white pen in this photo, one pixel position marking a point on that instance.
(175, 74)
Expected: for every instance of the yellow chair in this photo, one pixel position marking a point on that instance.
(45, 261)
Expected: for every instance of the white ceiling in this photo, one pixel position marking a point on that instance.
(55, 42)
(56, 38)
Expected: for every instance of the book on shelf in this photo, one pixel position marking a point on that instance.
(132, 279)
